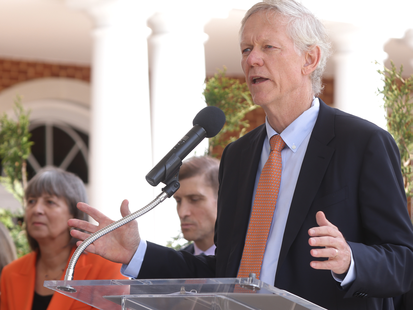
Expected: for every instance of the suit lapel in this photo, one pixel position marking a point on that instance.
(314, 166)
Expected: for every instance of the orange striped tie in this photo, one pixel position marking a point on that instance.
(262, 211)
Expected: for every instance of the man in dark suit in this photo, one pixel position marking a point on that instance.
(340, 234)
(196, 203)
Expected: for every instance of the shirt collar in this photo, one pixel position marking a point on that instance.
(296, 132)
(210, 251)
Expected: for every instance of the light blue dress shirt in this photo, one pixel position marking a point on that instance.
(210, 251)
(296, 137)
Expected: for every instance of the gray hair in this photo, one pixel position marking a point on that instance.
(60, 183)
(303, 28)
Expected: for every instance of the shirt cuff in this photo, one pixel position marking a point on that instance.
(350, 276)
(132, 269)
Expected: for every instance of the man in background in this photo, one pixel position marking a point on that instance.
(196, 202)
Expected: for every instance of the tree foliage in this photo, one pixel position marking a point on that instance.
(234, 99)
(15, 148)
(16, 227)
(398, 103)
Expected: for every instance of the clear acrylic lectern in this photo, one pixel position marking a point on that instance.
(181, 294)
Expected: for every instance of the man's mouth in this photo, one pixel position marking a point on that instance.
(258, 80)
(186, 225)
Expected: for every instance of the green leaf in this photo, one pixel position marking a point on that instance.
(234, 99)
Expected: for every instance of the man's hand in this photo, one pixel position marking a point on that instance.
(119, 245)
(335, 246)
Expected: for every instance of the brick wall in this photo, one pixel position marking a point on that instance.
(16, 71)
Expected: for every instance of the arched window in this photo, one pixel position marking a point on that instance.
(60, 145)
(59, 123)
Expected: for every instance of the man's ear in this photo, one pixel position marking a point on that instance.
(312, 58)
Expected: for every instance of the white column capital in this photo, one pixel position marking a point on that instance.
(101, 11)
(408, 38)
(183, 26)
(363, 41)
(352, 38)
(182, 15)
(342, 35)
(109, 12)
(203, 9)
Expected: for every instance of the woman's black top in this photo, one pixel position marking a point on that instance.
(41, 302)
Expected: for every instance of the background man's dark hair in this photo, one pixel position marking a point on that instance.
(199, 165)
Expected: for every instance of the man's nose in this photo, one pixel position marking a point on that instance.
(184, 210)
(255, 58)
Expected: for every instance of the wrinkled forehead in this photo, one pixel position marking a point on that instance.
(268, 17)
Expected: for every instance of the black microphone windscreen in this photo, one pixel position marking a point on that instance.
(212, 119)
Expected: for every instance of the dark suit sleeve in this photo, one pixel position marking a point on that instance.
(407, 301)
(383, 260)
(165, 263)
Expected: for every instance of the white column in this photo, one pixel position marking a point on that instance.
(408, 39)
(177, 75)
(120, 141)
(356, 80)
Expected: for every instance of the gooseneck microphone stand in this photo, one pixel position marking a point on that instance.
(171, 187)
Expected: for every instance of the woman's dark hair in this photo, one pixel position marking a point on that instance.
(60, 183)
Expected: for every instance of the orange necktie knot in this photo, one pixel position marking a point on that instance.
(277, 143)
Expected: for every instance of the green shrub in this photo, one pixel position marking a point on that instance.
(234, 99)
(15, 148)
(398, 104)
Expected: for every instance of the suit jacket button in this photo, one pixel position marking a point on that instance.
(360, 294)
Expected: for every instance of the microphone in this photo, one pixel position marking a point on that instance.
(207, 123)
